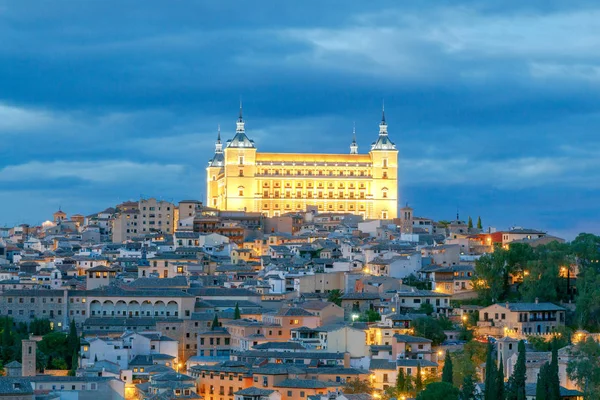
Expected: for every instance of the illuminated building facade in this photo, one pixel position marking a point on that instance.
(242, 179)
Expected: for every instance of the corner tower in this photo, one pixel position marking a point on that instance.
(384, 159)
(214, 175)
(239, 170)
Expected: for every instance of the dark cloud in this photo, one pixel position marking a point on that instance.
(489, 103)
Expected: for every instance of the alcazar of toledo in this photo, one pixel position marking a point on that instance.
(241, 178)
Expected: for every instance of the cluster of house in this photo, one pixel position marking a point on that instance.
(235, 306)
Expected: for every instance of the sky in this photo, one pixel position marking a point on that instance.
(494, 106)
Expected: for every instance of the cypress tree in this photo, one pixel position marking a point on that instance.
(73, 339)
(552, 376)
(479, 226)
(74, 364)
(467, 392)
(418, 379)
(215, 323)
(6, 338)
(400, 381)
(490, 392)
(517, 385)
(470, 224)
(237, 314)
(541, 388)
(500, 381)
(447, 371)
(7, 341)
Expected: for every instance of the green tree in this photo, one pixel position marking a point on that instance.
(464, 333)
(400, 381)
(418, 379)
(412, 280)
(491, 372)
(467, 391)
(7, 341)
(516, 385)
(72, 341)
(430, 328)
(584, 367)
(553, 377)
(389, 393)
(479, 226)
(370, 316)
(74, 364)
(335, 297)
(486, 284)
(542, 388)
(355, 386)
(470, 223)
(586, 248)
(237, 314)
(466, 361)
(56, 345)
(500, 381)
(562, 339)
(439, 390)
(215, 323)
(587, 303)
(57, 363)
(425, 308)
(447, 371)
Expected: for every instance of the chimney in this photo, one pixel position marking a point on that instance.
(346, 360)
(537, 300)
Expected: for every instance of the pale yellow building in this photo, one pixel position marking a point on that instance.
(241, 178)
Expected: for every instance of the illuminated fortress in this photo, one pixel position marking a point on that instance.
(241, 178)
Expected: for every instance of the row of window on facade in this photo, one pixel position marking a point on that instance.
(319, 185)
(93, 386)
(313, 173)
(288, 206)
(32, 300)
(319, 195)
(154, 208)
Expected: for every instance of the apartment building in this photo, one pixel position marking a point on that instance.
(522, 318)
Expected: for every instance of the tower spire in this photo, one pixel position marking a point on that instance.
(240, 122)
(383, 124)
(353, 145)
(218, 144)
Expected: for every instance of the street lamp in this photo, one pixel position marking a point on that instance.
(354, 317)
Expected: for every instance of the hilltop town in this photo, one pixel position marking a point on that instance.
(157, 300)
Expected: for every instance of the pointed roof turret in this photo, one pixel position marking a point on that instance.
(353, 145)
(218, 159)
(383, 141)
(240, 139)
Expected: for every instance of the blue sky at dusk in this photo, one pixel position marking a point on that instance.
(494, 106)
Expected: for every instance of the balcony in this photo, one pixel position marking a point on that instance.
(552, 319)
